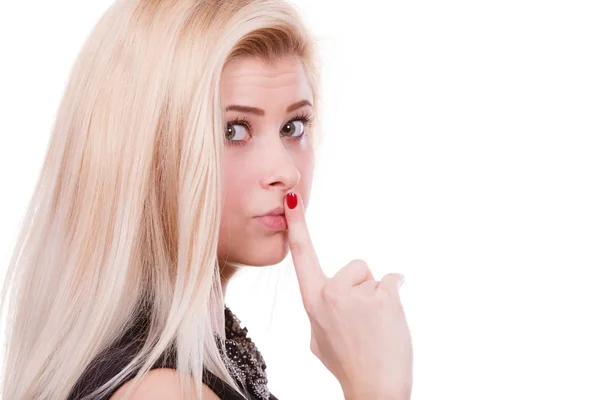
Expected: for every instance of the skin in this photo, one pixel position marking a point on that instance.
(360, 320)
(260, 173)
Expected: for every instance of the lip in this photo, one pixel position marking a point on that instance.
(276, 211)
(273, 222)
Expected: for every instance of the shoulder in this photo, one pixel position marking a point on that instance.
(159, 384)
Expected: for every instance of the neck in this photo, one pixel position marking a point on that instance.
(227, 271)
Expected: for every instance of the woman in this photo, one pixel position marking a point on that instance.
(184, 125)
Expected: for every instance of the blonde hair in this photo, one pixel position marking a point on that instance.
(125, 214)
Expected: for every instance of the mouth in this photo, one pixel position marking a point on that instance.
(276, 222)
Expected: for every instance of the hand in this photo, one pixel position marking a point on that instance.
(359, 330)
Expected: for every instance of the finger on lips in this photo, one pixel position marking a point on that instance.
(306, 263)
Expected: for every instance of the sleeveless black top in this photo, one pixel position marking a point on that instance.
(245, 362)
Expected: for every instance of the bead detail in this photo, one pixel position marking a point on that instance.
(243, 359)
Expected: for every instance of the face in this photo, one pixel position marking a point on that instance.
(266, 155)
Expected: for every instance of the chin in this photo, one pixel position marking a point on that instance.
(267, 259)
(269, 252)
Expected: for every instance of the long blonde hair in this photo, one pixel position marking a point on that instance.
(127, 207)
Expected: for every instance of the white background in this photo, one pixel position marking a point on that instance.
(462, 150)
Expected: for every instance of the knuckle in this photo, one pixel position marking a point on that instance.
(309, 304)
(313, 348)
(331, 293)
(360, 263)
(311, 308)
(361, 268)
(383, 295)
(388, 300)
(313, 304)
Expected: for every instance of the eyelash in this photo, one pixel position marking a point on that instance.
(305, 118)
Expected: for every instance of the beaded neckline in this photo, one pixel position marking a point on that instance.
(245, 362)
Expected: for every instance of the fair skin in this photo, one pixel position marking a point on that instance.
(257, 177)
(358, 327)
(270, 164)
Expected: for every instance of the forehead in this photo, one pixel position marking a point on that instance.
(252, 82)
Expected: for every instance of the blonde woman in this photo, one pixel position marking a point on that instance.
(183, 150)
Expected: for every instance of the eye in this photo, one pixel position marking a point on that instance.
(235, 130)
(294, 128)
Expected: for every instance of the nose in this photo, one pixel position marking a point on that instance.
(280, 168)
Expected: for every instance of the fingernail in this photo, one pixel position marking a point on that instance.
(292, 200)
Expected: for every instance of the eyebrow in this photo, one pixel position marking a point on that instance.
(261, 112)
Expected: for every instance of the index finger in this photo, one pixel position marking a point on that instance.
(311, 277)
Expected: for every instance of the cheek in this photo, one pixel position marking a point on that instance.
(232, 216)
(234, 193)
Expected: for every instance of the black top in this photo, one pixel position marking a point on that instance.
(243, 358)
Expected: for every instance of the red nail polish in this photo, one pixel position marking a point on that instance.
(292, 200)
